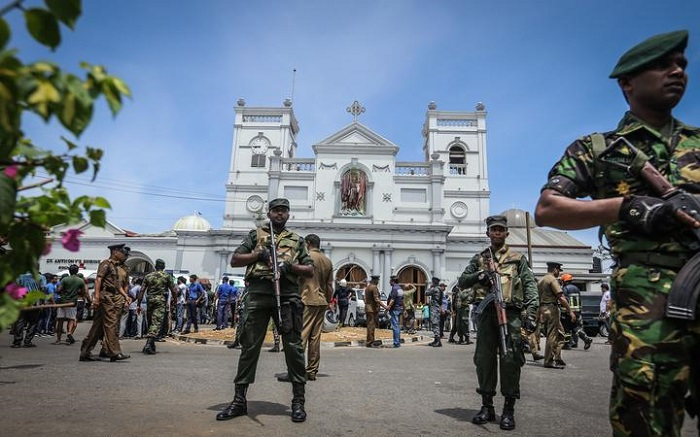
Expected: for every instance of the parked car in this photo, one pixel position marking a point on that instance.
(356, 310)
(590, 314)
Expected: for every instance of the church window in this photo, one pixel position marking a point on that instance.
(458, 160)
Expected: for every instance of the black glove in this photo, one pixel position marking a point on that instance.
(483, 279)
(648, 215)
(264, 255)
(284, 267)
(529, 325)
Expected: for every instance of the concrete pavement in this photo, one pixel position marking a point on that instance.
(414, 390)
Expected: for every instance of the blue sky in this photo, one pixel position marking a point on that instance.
(540, 67)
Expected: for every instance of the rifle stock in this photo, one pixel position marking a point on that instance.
(275, 275)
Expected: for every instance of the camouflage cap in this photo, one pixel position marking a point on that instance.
(116, 246)
(649, 51)
(554, 265)
(375, 276)
(160, 264)
(496, 220)
(435, 280)
(277, 203)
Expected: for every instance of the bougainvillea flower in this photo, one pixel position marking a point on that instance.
(11, 171)
(70, 239)
(15, 291)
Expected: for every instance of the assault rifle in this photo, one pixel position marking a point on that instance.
(683, 296)
(275, 274)
(499, 303)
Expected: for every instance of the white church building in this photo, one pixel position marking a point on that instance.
(375, 215)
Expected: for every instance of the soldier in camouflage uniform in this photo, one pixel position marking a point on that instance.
(158, 285)
(294, 262)
(651, 354)
(436, 292)
(464, 300)
(241, 303)
(519, 293)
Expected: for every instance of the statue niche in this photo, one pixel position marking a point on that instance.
(353, 190)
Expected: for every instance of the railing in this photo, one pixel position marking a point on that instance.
(416, 169)
(262, 118)
(299, 164)
(458, 169)
(456, 122)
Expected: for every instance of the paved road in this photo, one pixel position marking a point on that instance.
(411, 391)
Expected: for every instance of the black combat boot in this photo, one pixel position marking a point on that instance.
(487, 412)
(298, 413)
(507, 419)
(451, 339)
(238, 406)
(437, 342)
(434, 342)
(150, 348)
(275, 348)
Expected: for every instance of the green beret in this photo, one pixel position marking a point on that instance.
(496, 220)
(278, 202)
(648, 51)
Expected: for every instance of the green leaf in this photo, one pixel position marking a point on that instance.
(9, 311)
(101, 202)
(94, 154)
(80, 164)
(71, 145)
(4, 33)
(8, 198)
(98, 217)
(43, 27)
(67, 11)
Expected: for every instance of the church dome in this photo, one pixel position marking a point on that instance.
(194, 222)
(516, 218)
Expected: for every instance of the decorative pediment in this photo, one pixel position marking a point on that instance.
(356, 135)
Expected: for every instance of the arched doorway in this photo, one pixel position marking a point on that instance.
(412, 275)
(354, 274)
(138, 265)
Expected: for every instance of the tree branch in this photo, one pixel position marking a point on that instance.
(15, 4)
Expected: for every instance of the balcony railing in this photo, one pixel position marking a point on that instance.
(299, 164)
(414, 169)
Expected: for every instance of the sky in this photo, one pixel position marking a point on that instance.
(540, 67)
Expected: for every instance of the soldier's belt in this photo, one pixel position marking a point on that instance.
(651, 259)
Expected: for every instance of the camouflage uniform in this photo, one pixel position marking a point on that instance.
(650, 356)
(436, 295)
(261, 305)
(157, 284)
(519, 292)
(464, 299)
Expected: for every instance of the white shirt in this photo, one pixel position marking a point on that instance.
(604, 302)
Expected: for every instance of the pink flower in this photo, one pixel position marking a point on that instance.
(70, 239)
(11, 171)
(15, 291)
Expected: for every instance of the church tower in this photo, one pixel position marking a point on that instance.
(258, 134)
(459, 140)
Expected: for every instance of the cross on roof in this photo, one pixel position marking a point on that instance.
(355, 109)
